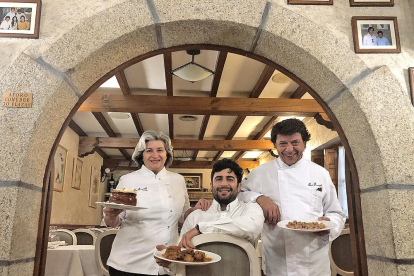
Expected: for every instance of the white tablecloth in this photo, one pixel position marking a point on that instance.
(72, 260)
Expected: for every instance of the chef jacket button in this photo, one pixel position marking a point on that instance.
(169, 196)
(168, 227)
(165, 243)
(171, 211)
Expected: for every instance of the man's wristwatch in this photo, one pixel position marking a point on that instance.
(198, 229)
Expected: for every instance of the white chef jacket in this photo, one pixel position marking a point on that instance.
(165, 196)
(369, 40)
(295, 190)
(240, 219)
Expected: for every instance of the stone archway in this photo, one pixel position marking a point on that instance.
(82, 56)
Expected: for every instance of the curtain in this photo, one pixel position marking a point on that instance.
(341, 180)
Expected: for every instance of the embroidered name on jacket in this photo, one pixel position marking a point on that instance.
(314, 184)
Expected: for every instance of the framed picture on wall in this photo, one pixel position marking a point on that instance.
(20, 18)
(411, 80)
(94, 187)
(371, 3)
(77, 173)
(375, 34)
(60, 168)
(193, 181)
(310, 2)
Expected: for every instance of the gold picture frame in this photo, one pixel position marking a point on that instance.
(77, 173)
(60, 159)
(193, 181)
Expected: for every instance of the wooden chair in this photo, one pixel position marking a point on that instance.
(238, 256)
(66, 235)
(85, 236)
(340, 255)
(103, 248)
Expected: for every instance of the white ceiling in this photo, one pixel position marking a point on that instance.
(239, 77)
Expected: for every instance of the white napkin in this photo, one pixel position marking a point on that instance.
(60, 243)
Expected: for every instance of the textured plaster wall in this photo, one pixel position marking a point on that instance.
(368, 95)
(67, 205)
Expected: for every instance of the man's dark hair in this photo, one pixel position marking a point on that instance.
(380, 32)
(227, 164)
(290, 127)
(371, 28)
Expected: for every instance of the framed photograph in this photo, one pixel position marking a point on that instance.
(20, 18)
(77, 173)
(94, 187)
(310, 2)
(371, 3)
(193, 181)
(375, 34)
(60, 168)
(411, 79)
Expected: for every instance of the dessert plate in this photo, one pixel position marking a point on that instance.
(120, 206)
(328, 225)
(214, 258)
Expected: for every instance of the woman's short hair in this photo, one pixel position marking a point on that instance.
(151, 135)
(290, 127)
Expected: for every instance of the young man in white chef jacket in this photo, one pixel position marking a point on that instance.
(226, 215)
(293, 188)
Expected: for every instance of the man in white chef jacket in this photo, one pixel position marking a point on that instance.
(227, 215)
(293, 188)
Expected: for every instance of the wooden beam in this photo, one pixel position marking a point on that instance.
(170, 91)
(123, 84)
(213, 93)
(230, 135)
(77, 129)
(323, 120)
(137, 123)
(102, 121)
(87, 144)
(262, 81)
(200, 105)
(257, 90)
(121, 164)
(299, 92)
(219, 71)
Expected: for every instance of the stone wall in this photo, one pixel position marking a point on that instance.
(368, 95)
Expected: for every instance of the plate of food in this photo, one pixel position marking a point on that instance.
(120, 206)
(306, 226)
(183, 256)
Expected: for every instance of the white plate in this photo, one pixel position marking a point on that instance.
(328, 225)
(215, 258)
(120, 206)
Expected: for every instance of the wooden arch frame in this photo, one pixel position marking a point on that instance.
(353, 190)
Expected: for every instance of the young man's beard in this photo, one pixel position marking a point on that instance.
(227, 199)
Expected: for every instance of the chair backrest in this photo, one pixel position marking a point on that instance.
(68, 236)
(238, 256)
(85, 236)
(97, 231)
(103, 248)
(341, 255)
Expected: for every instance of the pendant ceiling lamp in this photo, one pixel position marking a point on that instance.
(192, 71)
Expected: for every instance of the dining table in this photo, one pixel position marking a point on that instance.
(71, 260)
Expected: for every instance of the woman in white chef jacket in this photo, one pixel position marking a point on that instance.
(164, 194)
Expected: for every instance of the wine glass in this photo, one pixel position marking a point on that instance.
(55, 240)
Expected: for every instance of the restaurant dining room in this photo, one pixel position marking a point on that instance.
(206, 137)
(97, 147)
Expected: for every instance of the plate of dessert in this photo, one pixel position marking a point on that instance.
(184, 256)
(306, 226)
(124, 199)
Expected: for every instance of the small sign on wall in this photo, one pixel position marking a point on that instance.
(18, 100)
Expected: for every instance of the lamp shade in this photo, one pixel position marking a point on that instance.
(192, 72)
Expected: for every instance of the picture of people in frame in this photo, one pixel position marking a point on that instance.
(376, 35)
(15, 18)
